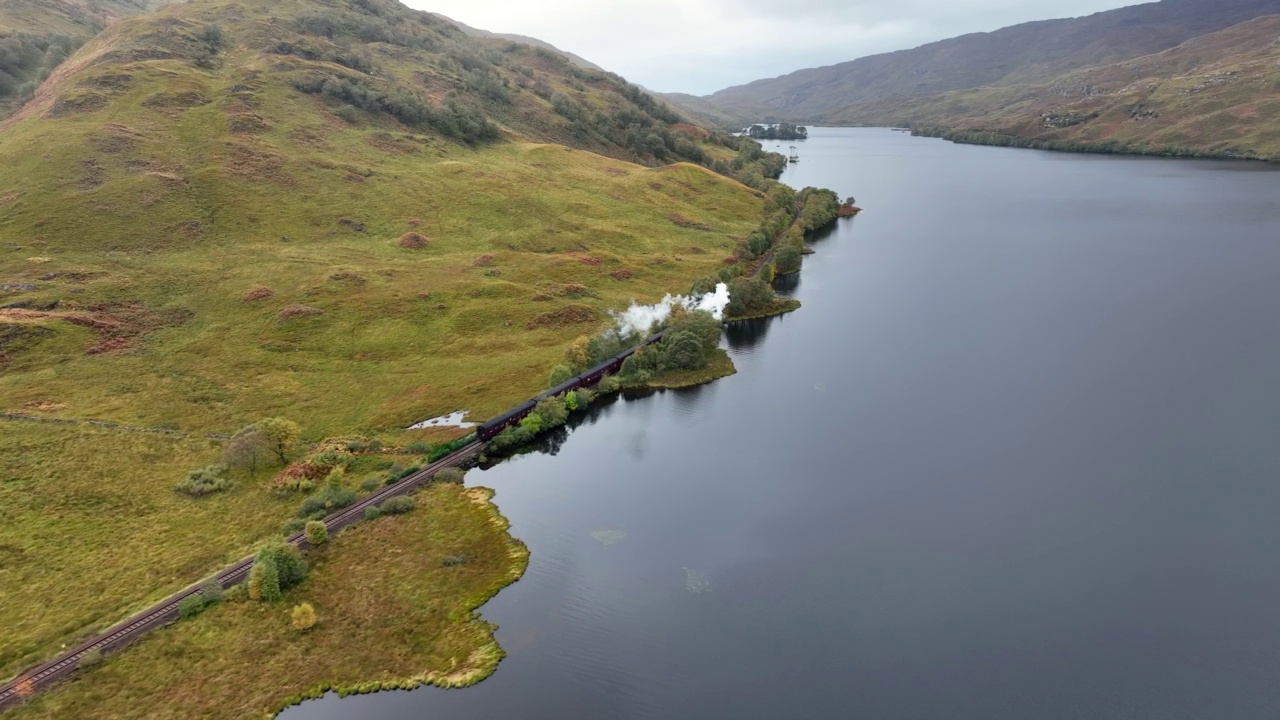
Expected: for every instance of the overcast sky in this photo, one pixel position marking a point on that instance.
(700, 46)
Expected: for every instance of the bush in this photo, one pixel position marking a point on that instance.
(532, 423)
(321, 504)
(748, 295)
(91, 659)
(211, 592)
(418, 448)
(559, 374)
(205, 481)
(702, 324)
(303, 617)
(398, 505)
(316, 532)
(683, 350)
(190, 606)
(788, 259)
(277, 568)
(553, 412)
(293, 526)
(452, 560)
(451, 475)
(370, 484)
(373, 512)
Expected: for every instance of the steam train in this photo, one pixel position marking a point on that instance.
(488, 430)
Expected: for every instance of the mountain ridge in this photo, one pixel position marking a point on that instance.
(1017, 54)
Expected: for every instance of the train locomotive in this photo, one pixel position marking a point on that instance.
(490, 429)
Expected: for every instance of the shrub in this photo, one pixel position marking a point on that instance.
(452, 560)
(91, 659)
(303, 617)
(560, 374)
(205, 481)
(293, 526)
(766, 273)
(748, 295)
(370, 484)
(277, 568)
(683, 350)
(334, 497)
(398, 505)
(316, 532)
(552, 411)
(419, 448)
(585, 397)
(190, 606)
(373, 512)
(571, 401)
(532, 423)
(211, 592)
(788, 259)
(608, 384)
(451, 475)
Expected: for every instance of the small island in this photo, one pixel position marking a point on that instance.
(778, 131)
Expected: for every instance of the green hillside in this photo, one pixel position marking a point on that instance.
(342, 212)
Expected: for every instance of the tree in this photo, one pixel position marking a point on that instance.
(264, 581)
(290, 568)
(767, 273)
(571, 400)
(560, 374)
(552, 411)
(758, 243)
(304, 617)
(700, 323)
(748, 295)
(281, 434)
(245, 449)
(578, 356)
(317, 532)
(532, 423)
(683, 350)
(787, 259)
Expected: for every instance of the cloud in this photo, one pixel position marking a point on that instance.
(699, 46)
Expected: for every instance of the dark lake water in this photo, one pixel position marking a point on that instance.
(1017, 457)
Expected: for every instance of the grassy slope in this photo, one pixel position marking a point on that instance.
(163, 191)
(864, 90)
(88, 517)
(388, 611)
(1219, 94)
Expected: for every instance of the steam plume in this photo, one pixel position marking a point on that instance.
(640, 318)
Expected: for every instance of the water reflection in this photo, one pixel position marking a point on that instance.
(746, 335)
(787, 285)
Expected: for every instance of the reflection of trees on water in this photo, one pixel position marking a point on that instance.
(787, 285)
(747, 334)
(818, 236)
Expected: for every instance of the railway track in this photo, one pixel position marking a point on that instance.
(166, 611)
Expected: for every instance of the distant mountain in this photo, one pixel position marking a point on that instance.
(703, 111)
(523, 40)
(1214, 95)
(872, 90)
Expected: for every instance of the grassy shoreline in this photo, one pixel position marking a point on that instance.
(379, 588)
(719, 365)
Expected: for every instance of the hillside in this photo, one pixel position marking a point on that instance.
(870, 90)
(577, 60)
(1215, 95)
(342, 212)
(38, 35)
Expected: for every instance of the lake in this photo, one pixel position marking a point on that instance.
(1018, 456)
